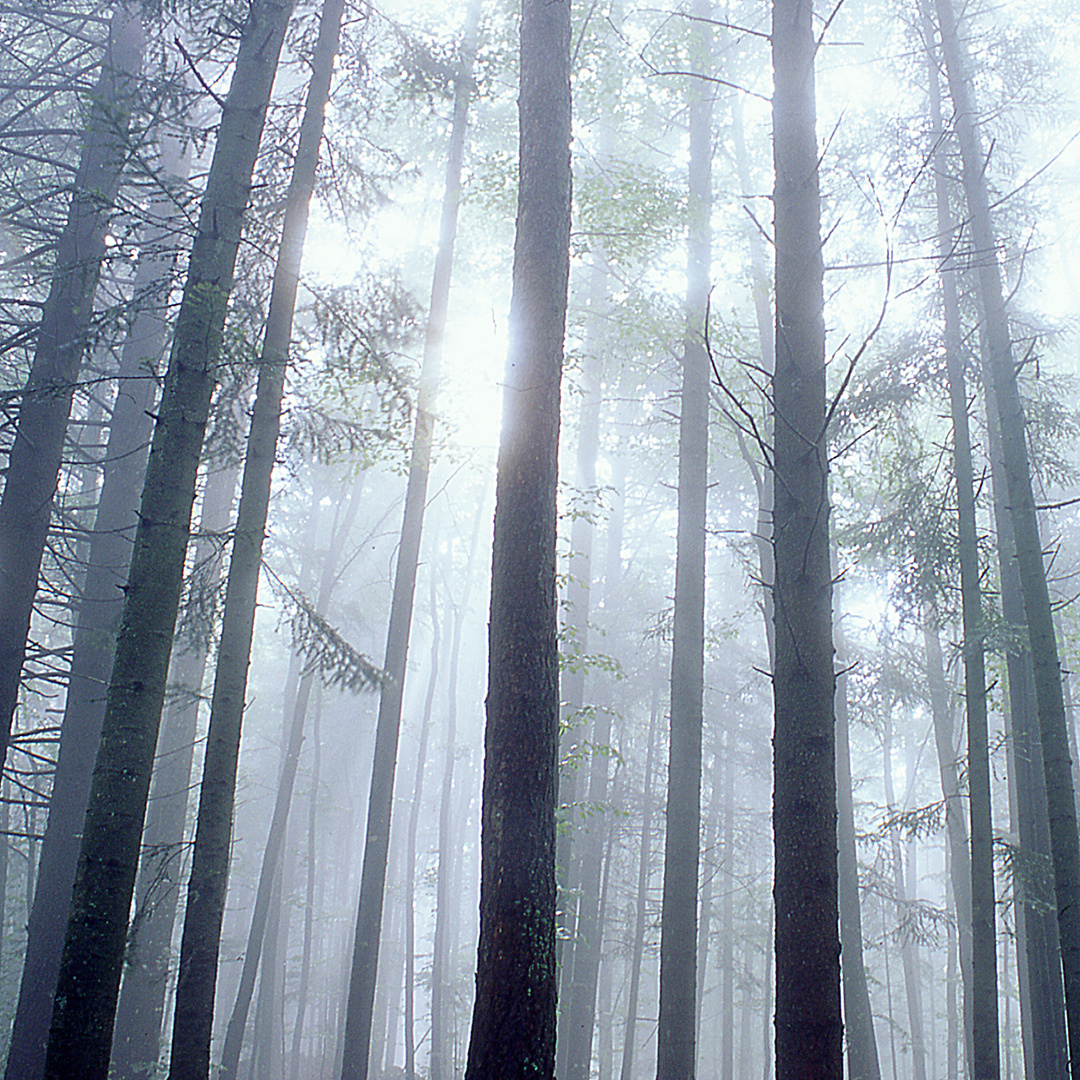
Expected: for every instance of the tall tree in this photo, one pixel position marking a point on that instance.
(33, 464)
(365, 959)
(808, 1025)
(1002, 375)
(92, 958)
(195, 988)
(675, 1048)
(513, 1025)
(98, 612)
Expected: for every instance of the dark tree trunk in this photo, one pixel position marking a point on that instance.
(99, 607)
(675, 1048)
(1002, 375)
(90, 969)
(149, 962)
(513, 1025)
(365, 961)
(808, 1025)
(34, 461)
(195, 990)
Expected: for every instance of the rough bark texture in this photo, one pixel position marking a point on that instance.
(365, 961)
(149, 963)
(208, 884)
(90, 969)
(513, 1026)
(1001, 370)
(98, 614)
(33, 464)
(808, 1026)
(675, 1048)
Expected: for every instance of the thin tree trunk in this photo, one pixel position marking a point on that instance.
(808, 1026)
(234, 1032)
(89, 979)
(1002, 372)
(440, 1065)
(675, 1052)
(365, 959)
(862, 1052)
(638, 941)
(410, 852)
(99, 608)
(34, 461)
(514, 1015)
(727, 956)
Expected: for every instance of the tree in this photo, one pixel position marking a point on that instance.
(676, 1040)
(1001, 370)
(92, 957)
(365, 960)
(513, 1025)
(210, 860)
(62, 337)
(808, 1026)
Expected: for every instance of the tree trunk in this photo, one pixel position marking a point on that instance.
(234, 1032)
(862, 1052)
(1002, 372)
(638, 943)
(513, 1025)
(675, 1048)
(207, 886)
(33, 465)
(808, 1026)
(149, 961)
(98, 613)
(93, 950)
(441, 1064)
(365, 959)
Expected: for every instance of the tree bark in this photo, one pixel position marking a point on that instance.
(676, 1044)
(808, 1025)
(1002, 373)
(513, 1025)
(90, 969)
(33, 465)
(98, 612)
(149, 961)
(208, 883)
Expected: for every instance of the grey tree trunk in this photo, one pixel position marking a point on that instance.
(1001, 369)
(809, 1040)
(675, 1049)
(98, 613)
(365, 960)
(514, 1015)
(268, 872)
(33, 464)
(149, 963)
(90, 968)
(862, 1051)
(196, 984)
(637, 944)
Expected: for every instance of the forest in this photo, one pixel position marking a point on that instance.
(539, 539)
